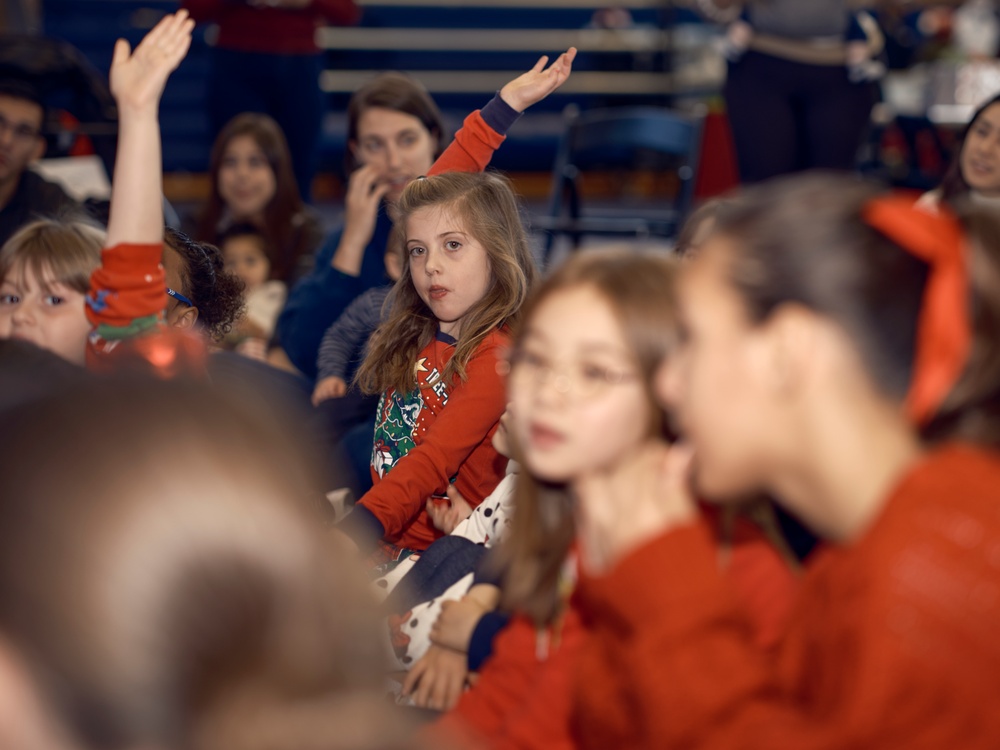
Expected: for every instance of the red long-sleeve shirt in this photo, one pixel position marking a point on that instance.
(892, 645)
(276, 30)
(452, 435)
(524, 698)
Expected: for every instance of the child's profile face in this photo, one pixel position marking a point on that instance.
(720, 382)
(245, 257)
(449, 268)
(575, 387)
(45, 312)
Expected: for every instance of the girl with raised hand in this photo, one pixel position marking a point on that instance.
(436, 358)
(394, 134)
(580, 384)
(43, 272)
(840, 352)
(150, 281)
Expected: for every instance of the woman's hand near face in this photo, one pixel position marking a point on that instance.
(538, 82)
(365, 191)
(645, 496)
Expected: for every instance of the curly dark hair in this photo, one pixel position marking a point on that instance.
(217, 295)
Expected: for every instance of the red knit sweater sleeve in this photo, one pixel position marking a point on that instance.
(684, 652)
(473, 411)
(522, 698)
(128, 292)
(886, 647)
(472, 148)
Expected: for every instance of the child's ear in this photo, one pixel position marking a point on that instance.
(183, 317)
(792, 339)
(355, 153)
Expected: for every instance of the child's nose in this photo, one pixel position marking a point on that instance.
(23, 314)
(432, 263)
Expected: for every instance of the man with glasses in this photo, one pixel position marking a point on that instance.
(24, 194)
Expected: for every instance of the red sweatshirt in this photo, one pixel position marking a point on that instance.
(286, 31)
(437, 432)
(524, 697)
(892, 645)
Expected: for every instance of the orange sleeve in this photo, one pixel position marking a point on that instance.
(520, 701)
(848, 674)
(128, 292)
(472, 148)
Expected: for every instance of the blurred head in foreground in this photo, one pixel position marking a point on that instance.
(161, 585)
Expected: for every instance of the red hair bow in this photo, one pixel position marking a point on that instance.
(944, 335)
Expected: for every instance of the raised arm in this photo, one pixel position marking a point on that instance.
(137, 81)
(484, 130)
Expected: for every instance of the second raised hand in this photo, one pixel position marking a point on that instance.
(138, 77)
(539, 82)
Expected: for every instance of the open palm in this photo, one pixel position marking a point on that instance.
(138, 77)
(533, 86)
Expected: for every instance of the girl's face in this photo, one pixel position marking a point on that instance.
(576, 389)
(396, 144)
(246, 259)
(980, 159)
(246, 180)
(449, 268)
(715, 384)
(45, 312)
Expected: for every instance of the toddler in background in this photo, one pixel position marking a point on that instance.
(247, 254)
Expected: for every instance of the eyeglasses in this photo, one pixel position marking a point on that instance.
(579, 379)
(21, 132)
(179, 297)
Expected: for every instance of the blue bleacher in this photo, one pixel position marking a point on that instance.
(94, 25)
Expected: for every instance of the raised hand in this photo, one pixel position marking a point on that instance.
(138, 77)
(621, 510)
(538, 82)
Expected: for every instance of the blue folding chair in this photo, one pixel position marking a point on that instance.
(621, 140)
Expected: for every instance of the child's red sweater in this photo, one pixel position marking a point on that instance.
(524, 695)
(892, 645)
(450, 438)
